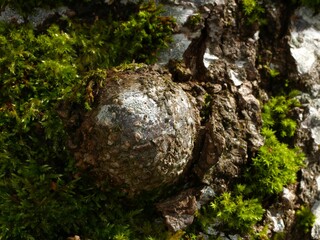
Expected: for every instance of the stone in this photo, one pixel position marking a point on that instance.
(276, 219)
(38, 17)
(179, 210)
(288, 197)
(229, 137)
(180, 41)
(304, 47)
(305, 35)
(205, 196)
(142, 132)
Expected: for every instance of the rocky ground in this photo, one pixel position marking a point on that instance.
(214, 53)
(224, 56)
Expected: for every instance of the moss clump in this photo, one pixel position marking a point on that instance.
(275, 166)
(305, 219)
(254, 9)
(194, 21)
(42, 193)
(236, 212)
(276, 115)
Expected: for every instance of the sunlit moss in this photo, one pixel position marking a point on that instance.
(43, 194)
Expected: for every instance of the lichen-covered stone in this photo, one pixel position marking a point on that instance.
(304, 43)
(141, 134)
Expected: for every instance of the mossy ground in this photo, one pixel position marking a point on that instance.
(42, 192)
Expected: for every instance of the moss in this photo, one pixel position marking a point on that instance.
(277, 113)
(305, 219)
(194, 21)
(275, 166)
(43, 194)
(276, 163)
(236, 212)
(255, 12)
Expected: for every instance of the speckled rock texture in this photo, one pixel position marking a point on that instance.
(232, 134)
(224, 62)
(182, 214)
(305, 49)
(142, 133)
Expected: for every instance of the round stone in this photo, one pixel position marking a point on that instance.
(142, 132)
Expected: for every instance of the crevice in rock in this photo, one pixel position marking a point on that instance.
(193, 56)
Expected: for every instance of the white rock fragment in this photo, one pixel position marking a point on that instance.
(318, 182)
(180, 13)
(288, 197)
(277, 221)
(233, 237)
(180, 41)
(312, 122)
(240, 63)
(234, 76)
(305, 39)
(256, 36)
(36, 18)
(208, 58)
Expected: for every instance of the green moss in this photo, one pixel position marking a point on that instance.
(254, 12)
(42, 193)
(275, 166)
(305, 219)
(276, 115)
(206, 109)
(279, 236)
(193, 21)
(236, 212)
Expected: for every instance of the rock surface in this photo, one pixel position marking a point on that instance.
(232, 134)
(226, 58)
(142, 133)
(228, 87)
(304, 46)
(179, 211)
(36, 18)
